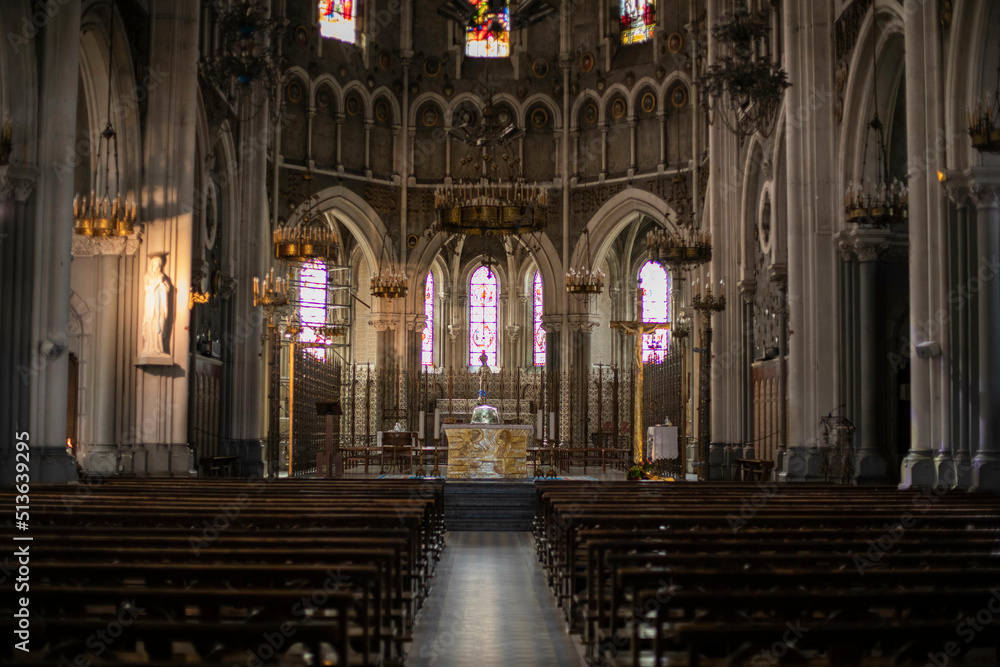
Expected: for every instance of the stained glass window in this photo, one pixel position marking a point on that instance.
(337, 19)
(489, 35)
(312, 303)
(483, 316)
(539, 331)
(638, 20)
(427, 338)
(655, 308)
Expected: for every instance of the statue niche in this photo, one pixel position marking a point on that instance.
(155, 315)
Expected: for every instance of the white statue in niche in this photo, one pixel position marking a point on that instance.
(155, 313)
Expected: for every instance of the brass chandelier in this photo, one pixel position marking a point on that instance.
(388, 282)
(585, 280)
(311, 239)
(984, 121)
(106, 215)
(491, 198)
(686, 248)
(882, 203)
(243, 56)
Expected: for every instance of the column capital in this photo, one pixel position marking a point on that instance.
(584, 323)
(983, 185)
(513, 332)
(552, 323)
(383, 324)
(748, 289)
(19, 182)
(985, 196)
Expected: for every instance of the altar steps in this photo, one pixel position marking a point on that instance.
(487, 505)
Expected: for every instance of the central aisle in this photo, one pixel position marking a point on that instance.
(490, 607)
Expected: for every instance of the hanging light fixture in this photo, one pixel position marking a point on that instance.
(243, 56)
(585, 280)
(389, 282)
(491, 196)
(984, 121)
(310, 239)
(882, 203)
(106, 215)
(745, 87)
(686, 248)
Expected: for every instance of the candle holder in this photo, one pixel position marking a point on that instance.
(708, 303)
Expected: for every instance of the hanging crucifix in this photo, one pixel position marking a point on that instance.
(638, 328)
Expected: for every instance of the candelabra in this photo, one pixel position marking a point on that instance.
(880, 205)
(984, 122)
(707, 303)
(585, 280)
(270, 293)
(682, 250)
(388, 282)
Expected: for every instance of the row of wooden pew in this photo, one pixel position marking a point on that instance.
(253, 572)
(692, 574)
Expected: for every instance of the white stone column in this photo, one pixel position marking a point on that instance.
(59, 57)
(985, 192)
(160, 442)
(924, 119)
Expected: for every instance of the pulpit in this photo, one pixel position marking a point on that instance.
(488, 451)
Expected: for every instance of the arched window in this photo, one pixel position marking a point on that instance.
(489, 34)
(538, 330)
(312, 303)
(427, 339)
(638, 19)
(338, 19)
(655, 308)
(483, 316)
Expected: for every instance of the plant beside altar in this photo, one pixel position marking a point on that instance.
(642, 471)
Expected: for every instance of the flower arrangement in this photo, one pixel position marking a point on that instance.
(641, 471)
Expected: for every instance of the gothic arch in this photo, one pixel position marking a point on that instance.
(616, 214)
(356, 215)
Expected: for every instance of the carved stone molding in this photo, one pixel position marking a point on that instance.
(748, 289)
(959, 194)
(778, 274)
(19, 182)
(416, 323)
(584, 326)
(513, 332)
(382, 325)
(552, 324)
(869, 250)
(985, 195)
(105, 246)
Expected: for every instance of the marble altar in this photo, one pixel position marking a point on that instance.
(488, 451)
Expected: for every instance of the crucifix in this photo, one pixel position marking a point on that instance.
(638, 328)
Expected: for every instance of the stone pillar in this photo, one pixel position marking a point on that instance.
(59, 74)
(870, 463)
(580, 363)
(160, 441)
(924, 118)
(954, 462)
(16, 261)
(985, 192)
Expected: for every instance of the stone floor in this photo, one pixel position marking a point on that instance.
(489, 606)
